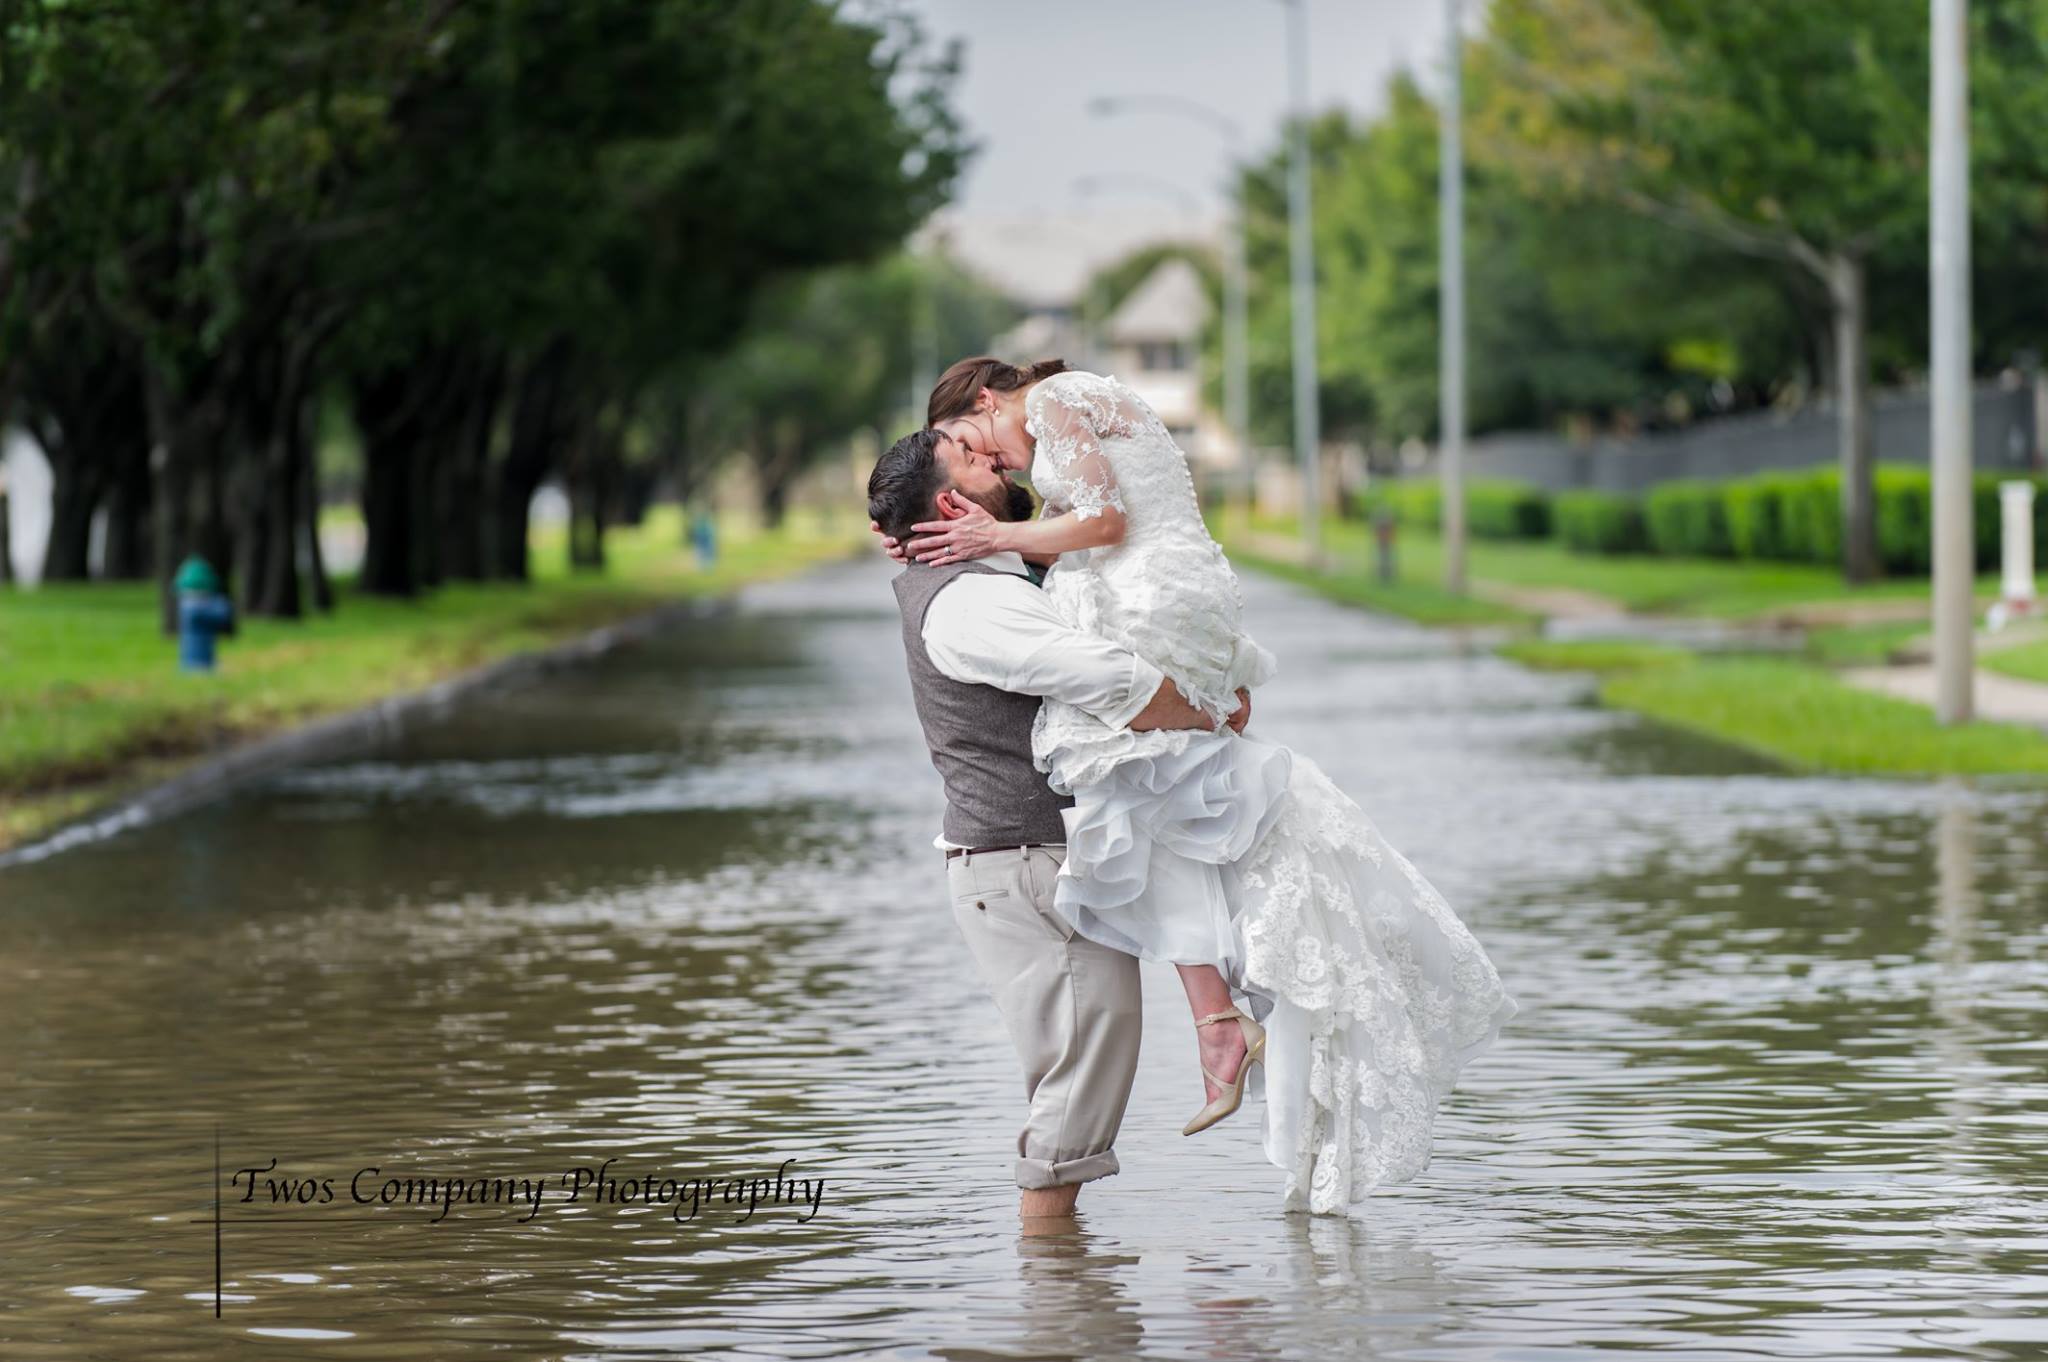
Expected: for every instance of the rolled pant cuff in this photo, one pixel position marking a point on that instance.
(1034, 1173)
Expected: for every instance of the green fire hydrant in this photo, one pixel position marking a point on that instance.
(204, 613)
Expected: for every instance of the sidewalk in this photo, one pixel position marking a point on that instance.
(2001, 699)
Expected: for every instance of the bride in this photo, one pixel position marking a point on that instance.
(1235, 859)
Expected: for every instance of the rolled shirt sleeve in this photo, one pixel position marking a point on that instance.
(997, 629)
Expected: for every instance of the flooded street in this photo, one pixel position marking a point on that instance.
(1777, 1087)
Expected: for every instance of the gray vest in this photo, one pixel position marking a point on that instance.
(980, 737)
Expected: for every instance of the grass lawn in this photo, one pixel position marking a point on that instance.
(2029, 661)
(1416, 600)
(91, 697)
(1789, 710)
(1806, 717)
(1600, 655)
(1862, 645)
(1638, 582)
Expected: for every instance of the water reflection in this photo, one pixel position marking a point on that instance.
(1775, 1090)
(1072, 1299)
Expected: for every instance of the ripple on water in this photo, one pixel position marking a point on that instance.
(1775, 1089)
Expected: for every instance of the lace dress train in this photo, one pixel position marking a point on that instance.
(1201, 848)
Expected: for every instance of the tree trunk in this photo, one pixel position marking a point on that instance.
(387, 412)
(6, 541)
(774, 503)
(465, 477)
(307, 457)
(510, 526)
(253, 532)
(634, 494)
(387, 520)
(168, 512)
(85, 409)
(74, 495)
(287, 458)
(425, 478)
(594, 475)
(127, 555)
(586, 524)
(784, 445)
(680, 454)
(279, 595)
(541, 422)
(187, 426)
(1854, 448)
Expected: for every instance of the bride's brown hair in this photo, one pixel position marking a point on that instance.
(953, 395)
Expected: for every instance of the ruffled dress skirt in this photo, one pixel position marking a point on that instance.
(1200, 848)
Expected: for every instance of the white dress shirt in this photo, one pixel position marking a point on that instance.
(997, 629)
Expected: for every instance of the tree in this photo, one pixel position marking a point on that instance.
(700, 152)
(830, 355)
(1792, 132)
(495, 225)
(1581, 308)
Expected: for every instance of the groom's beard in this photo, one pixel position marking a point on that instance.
(1012, 502)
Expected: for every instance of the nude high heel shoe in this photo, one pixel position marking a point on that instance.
(1233, 1091)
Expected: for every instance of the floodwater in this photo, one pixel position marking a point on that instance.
(1776, 1090)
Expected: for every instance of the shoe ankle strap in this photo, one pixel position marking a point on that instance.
(1220, 1016)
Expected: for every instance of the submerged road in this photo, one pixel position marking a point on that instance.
(1775, 1089)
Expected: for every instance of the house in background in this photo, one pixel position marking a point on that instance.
(1044, 332)
(1153, 342)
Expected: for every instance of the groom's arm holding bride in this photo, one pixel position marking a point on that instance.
(983, 630)
(996, 629)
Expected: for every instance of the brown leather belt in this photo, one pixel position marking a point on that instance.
(951, 852)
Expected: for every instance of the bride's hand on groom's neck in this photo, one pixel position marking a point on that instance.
(965, 531)
(891, 545)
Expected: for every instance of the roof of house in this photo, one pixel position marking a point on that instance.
(1171, 304)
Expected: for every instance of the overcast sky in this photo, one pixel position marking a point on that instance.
(1032, 66)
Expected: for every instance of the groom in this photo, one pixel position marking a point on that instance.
(984, 646)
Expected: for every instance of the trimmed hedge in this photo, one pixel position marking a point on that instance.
(1416, 502)
(1791, 517)
(1757, 522)
(1688, 519)
(1506, 510)
(1494, 508)
(1599, 522)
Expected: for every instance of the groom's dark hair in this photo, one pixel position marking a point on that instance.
(906, 483)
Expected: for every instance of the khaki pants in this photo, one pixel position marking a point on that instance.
(1071, 1005)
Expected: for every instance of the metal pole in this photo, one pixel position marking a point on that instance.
(1451, 302)
(1307, 431)
(1949, 284)
(924, 331)
(1237, 386)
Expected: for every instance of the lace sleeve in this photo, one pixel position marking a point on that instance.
(1075, 412)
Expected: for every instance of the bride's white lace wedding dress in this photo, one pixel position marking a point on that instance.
(1203, 848)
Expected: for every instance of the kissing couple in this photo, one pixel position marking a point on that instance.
(1084, 682)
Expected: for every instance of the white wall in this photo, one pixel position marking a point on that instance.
(26, 475)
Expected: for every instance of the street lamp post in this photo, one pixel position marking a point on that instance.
(1236, 331)
(1301, 258)
(1451, 303)
(1949, 285)
(1237, 386)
